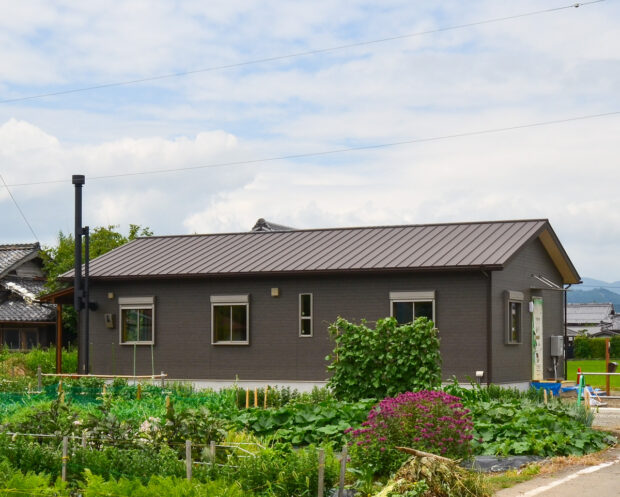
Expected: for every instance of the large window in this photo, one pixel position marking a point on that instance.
(230, 320)
(137, 323)
(514, 321)
(20, 339)
(406, 307)
(305, 314)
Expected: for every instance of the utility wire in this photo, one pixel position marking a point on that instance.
(18, 208)
(333, 151)
(297, 54)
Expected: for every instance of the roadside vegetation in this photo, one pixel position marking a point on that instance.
(130, 439)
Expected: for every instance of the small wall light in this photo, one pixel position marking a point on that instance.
(479, 375)
(110, 295)
(275, 292)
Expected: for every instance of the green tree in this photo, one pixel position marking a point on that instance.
(60, 258)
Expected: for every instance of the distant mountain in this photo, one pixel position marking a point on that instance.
(599, 295)
(591, 284)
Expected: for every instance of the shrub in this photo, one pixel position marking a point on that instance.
(278, 471)
(384, 361)
(589, 348)
(431, 421)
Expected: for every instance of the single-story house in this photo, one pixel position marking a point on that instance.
(610, 327)
(24, 323)
(588, 318)
(256, 305)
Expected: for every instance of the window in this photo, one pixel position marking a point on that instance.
(406, 307)
(11, 338)
(305, 314)
(230, 320)
(137, 324)
(515, 317)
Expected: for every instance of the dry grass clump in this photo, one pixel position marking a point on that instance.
(434, 476)
(558, 463)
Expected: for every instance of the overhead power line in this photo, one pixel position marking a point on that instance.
(296, 54)
(18, 208)
(360, 148)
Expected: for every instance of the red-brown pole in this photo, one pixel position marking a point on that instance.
(58, 338)
(607, 366)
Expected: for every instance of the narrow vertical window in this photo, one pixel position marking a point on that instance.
(305, 314)
(514, 318)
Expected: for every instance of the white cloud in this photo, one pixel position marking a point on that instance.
(533, 69)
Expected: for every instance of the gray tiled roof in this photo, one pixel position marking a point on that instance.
(588, 313)
(419, 247)
(21, 311)
(10, 255)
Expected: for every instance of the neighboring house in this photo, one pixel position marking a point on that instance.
(256, 305)
(610, 327)
(24, 323)
(587, 319)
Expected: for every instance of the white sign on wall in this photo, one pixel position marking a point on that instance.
(537, 339)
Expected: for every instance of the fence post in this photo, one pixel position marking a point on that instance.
(343, 470)
(321, 472)
(65, 446)
(212, 452)
(188, 458)
(39, 379)
(163, 384)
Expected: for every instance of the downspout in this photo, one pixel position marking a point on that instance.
(489, 277)
(565, 328)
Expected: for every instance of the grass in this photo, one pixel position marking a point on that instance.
(592, 366)
(495, 482)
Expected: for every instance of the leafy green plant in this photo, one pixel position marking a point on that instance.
(305, 423)
(384, 361)
(280, 471)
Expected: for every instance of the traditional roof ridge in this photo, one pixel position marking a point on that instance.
(20, 246)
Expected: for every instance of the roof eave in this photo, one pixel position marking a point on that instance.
(431, 269)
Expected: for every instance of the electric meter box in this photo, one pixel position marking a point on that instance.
(557, 346)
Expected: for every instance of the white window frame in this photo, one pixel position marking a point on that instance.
(517, 298)
(230, 300)
(136, 303)
(306, 318)
(413, 297)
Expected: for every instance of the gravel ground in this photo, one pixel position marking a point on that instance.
(607, 418)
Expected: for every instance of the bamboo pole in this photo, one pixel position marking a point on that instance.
(256, 397)
(266, 390)
(247, 398)
(421, 453)
(65, 457)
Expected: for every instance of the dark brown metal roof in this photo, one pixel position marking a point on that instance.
(414, 247)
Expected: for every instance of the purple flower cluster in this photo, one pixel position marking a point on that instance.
(432, 421)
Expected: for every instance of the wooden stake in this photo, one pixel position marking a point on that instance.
(607, 386)
(343, 470)
(188, 459)
(139, 393)
(545, 395)
(40, 380)
(212, 452)
(266, 390)
(247, 398)
(321, 473)
(256, 397)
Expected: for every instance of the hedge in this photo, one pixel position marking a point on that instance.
(594, 348)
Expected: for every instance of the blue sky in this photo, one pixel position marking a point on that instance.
(542, 67)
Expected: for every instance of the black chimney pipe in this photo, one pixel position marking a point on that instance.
(78, 303)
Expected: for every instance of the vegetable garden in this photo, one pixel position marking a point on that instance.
(125, 439)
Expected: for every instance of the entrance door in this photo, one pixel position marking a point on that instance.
(537, 339)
